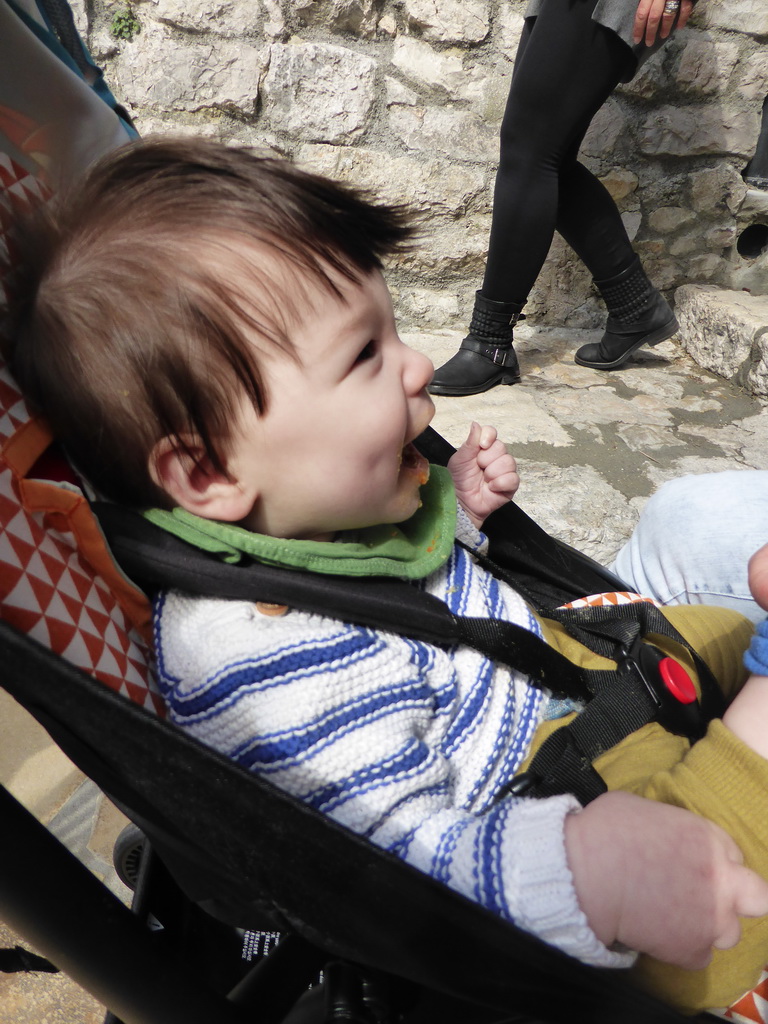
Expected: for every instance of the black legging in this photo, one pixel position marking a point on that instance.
(566, 68)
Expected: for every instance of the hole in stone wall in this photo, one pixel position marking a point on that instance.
(753, 241)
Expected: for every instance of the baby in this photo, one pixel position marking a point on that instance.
(210, 335)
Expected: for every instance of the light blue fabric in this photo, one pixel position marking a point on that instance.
(694, 540)
(756, 658)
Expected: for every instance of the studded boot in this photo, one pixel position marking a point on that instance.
(486, 356)
(638, 314)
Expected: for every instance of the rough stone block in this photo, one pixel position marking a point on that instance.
(717, 189)
(434, 186)
(752, 79)
(425, 305)
(649, 80)
(174, 71)
(319, 93)
(706, 65)
(620, 182)
(704, 130)
(397, 92)
(453, 133)
(509, 26)
(607, 126)
(449, 21)
(225, 17)
(355, 16)
(744, 16)
(683, 246)
(669, 218)
(441, 71)
(726, 332)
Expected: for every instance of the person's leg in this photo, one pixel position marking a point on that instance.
(694, 539)
(638, 314)
(590, 222)
(566, 67)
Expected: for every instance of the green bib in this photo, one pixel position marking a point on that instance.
(409, 550)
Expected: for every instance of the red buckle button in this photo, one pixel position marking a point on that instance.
(677, 680)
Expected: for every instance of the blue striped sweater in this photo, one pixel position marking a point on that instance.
(405, 743)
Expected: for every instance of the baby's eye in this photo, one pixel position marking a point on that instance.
(368, 352)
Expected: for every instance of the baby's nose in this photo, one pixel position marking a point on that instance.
(419, 371)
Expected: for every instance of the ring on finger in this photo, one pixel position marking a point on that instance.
(671, 7)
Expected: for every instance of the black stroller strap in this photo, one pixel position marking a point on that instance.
(155, 559)
(602, 628)
(623, 701)
(617, 701)
(564, 762)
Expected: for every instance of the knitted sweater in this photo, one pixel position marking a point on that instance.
(405, 743)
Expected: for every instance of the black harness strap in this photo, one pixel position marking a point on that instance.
(156, 559)
(623, 700)
(617, 701)
(601, 629)
(521, 650)
(621, 705)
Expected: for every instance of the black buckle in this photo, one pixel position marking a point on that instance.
(521, 785)
(671, 688)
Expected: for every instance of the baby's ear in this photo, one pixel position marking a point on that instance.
(182, 469)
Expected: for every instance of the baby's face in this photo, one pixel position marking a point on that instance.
(333, 452)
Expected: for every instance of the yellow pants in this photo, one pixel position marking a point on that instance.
(718, 777)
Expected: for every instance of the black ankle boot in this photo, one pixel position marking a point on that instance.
(486, 356)
(638, 314)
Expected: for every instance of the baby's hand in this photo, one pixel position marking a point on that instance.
(660, 879)
(484, 474)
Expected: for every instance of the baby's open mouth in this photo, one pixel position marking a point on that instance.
(412, 461)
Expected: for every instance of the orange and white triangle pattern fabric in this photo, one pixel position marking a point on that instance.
(48, 588)
(612, 600)
(752, 1008)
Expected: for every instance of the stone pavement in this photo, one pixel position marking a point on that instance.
(591, 448)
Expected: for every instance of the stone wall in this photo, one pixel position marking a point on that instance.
(406, 97)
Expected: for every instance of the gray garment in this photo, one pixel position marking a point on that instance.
(619, 17)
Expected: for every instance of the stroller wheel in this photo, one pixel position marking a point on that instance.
(127, 854)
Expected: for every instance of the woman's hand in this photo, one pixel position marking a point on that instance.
(657, 18)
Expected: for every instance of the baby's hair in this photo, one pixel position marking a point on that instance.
(144, 296)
